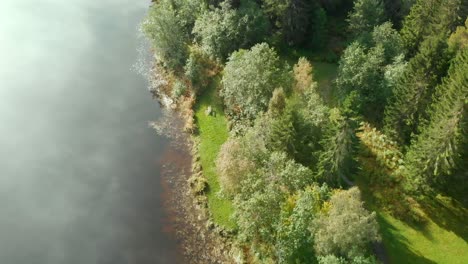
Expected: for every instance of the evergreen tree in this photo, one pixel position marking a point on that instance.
(291, 17)
(319, 28)
(442, 144)
(361, 70)
(283, 134)
(365, 16)
(413, 91)
(459, 39)
(277, 103)
(336, 161)
(429, 18)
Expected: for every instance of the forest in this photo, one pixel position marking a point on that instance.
(329, 131)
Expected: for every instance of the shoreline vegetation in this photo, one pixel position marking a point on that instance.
(285, 107)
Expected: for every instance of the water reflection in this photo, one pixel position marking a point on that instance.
(79, 165)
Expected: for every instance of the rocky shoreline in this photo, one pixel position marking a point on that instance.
(199, 239)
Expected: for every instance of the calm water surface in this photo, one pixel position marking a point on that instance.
(79, 178)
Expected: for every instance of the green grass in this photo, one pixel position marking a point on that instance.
(427, 243)
(213, 132)
(439, 236)
(324, 73)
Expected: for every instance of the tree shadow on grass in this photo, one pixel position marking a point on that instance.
(447, 213)
(396, 245)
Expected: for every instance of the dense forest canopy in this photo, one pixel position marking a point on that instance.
(301, 153)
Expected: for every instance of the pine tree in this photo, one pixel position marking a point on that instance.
(440, 147)
(431, 17)
(283, 134)
(336, 161)
(413, 91)
(365, 16)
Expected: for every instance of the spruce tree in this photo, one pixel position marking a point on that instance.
(336, 161)
(431, 17)
(442, 144)
(366, 14)
(413, 91)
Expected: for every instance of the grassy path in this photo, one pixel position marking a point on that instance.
(212, 134)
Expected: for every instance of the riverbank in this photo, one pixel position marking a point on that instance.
(199, 238)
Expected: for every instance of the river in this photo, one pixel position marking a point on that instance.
(79, 166)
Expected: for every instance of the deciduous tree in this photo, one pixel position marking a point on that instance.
(250, 76)
(347, 228)
(225, 29)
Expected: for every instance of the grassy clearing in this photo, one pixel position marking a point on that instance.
(324, 73)
(213, 132)
(439, 236)
(426, 243)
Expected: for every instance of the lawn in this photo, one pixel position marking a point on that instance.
(439, 237)
(427, 243)
(213, 132)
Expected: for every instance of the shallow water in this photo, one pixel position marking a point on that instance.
(79, 165)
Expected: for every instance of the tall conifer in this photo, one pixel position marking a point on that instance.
(413, 91)
(439, 149)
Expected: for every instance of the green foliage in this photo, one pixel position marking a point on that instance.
(187, 12)
(223, 30)
(386, 153)
(232, 166)
(179, 89)
(431, 17)
(257, 216)
(332, 259)
(442, 144)
(332, 5)
(269, 167)
(393, 72)
(414, 89)
(384, 35)
(291, 17)
(314, 109)
(360, 70)
(459, 39)
(365, 16)
(295, 134)
(396, 10)
(273, 212)
(197, 67)
(282, 136)
(294, 242)
(336, 160)
(169, 39)
(249, 79)
(319, 28)
(277, 103)
(347, 228)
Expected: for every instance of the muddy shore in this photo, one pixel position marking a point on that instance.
(199, 239)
